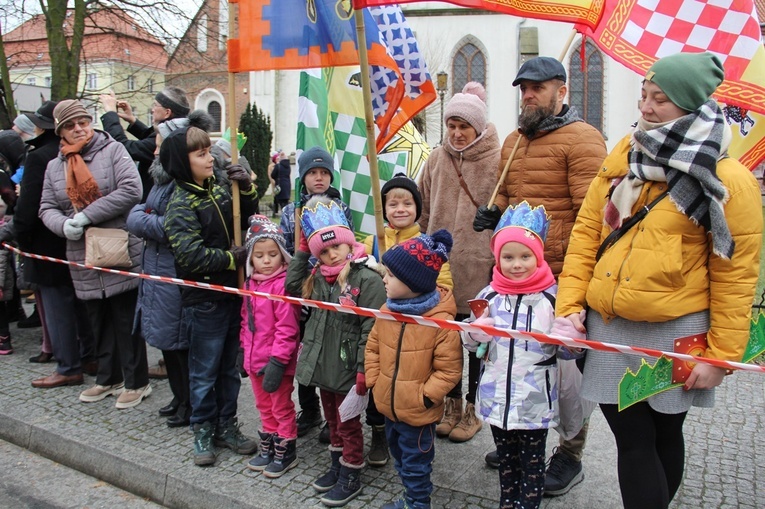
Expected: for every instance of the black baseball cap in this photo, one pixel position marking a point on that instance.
(540, 69)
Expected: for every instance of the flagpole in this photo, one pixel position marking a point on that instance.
(366, 88)
(234, 139)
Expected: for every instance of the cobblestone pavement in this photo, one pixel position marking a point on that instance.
(134, 450)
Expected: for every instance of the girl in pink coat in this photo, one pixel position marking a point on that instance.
(270, 338)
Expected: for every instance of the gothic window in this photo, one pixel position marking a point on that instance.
(585, 84)
(469, 64)
(214, 109)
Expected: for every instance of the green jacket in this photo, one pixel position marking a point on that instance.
(334, 343)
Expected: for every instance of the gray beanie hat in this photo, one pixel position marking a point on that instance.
(24, 124)
(315, 157)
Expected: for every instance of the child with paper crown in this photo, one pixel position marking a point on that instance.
(517, 392)
(332, 356)
(402, 207)
(412, 367)
(316, 170)
(270, 336)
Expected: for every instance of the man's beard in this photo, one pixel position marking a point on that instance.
(531, 118)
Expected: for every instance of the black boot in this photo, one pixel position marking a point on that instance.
(328, 480)
(285, 457)
(378, 451)
(347, 488)
(266, 454)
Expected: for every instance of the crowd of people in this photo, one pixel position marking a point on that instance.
(658, 240)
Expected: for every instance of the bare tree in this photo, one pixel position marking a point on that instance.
(68, 21)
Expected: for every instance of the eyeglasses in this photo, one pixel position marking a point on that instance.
(82, 122)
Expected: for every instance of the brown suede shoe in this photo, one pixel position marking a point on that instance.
(57, 380)
(158, 372)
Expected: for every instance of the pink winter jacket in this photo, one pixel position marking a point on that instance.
(269, 328)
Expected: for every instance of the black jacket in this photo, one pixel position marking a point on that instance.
(141, 149)
(31, 233)
(199, 223)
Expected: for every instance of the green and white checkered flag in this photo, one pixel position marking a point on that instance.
(331, 116)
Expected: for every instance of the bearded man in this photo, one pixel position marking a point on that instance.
(557, 158)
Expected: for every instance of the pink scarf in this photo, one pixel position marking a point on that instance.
(331, 273)
(540, 280)
(256, 276)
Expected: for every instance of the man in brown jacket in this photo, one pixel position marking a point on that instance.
(558, 156)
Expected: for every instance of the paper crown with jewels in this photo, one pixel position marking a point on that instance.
(523, 215)
(321, 214)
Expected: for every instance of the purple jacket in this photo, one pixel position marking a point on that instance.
(269, 328)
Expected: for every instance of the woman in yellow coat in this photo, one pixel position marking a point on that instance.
(688, 267)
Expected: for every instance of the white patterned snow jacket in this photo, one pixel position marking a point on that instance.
(518, 386)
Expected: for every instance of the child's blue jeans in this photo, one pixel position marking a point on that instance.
(413, 451)
(213, 332)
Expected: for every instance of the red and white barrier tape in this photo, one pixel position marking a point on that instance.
(420, 320)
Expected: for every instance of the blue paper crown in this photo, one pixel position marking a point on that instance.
(322, 215)
(523, 215)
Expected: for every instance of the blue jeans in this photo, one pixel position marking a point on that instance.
(212, 329)
(413, 451)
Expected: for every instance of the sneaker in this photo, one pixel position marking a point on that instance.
(133, 397)
(5, 345)
(563, 473)
(204, 453)
(99, 392)
(227, 434)
(468, 426)
(307, 421)
(378, 451)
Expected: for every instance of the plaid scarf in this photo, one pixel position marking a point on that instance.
(683, 153)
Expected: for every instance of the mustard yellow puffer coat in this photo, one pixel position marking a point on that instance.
(663, 268)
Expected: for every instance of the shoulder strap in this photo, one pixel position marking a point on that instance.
(462, 182)
(550, 297)
(619, 232)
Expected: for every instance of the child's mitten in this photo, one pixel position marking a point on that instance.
(272, 374)
(482, 337)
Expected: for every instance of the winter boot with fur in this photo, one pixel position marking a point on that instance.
(347, 488)
(452, 416)
(327, 481)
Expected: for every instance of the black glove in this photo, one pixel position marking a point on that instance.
(237, 172)
(240, 255)
(272, 374)
(240, 363)
(486, 218)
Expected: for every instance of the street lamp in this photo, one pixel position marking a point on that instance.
(441, 81)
